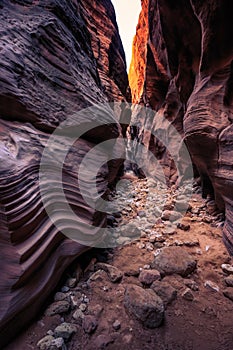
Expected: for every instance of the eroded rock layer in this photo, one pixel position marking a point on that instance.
(57, 57)
(188, 54)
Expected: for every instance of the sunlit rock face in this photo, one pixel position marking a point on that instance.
(57, 58)
(188, 79)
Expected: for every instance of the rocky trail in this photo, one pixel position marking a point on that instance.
(162, 285)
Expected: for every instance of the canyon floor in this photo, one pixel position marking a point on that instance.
(179, 273)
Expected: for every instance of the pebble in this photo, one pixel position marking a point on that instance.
(102, 341)
(183, 227)
(50, 343)
(187, 294)
(60, 296)
(212, 286)
(145, 305)
(229, 281)
(89, 324)
(228, 293)
(78, 315)
(147, 277)
(116, 325)
(114, 274)
(83, 307)
(228, 269)
(165, 291)
(58, 308)
(65, 330)
(65, 289)
(71, 282)
(192, 285)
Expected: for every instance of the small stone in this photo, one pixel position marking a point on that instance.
(102, 341)
(174, 260)
(228, 293)
(187, 294)
(89, 324)
(114, 274)
(147, 277)
(145, 305)
(65, 330)
(78, 315)
(60, 296)
(228, 269)
(58, 307)
(58, 343)
(71, 282)
(45, 343)
(130, 231)
(116, 325)
(65, 289)
(212, 286)
(170, 215)
(183, 227)
(50, 332)
(229, 281)
(83, 307)
(191, 284)
(165, 291)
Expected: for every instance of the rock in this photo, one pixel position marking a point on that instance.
(191, 284)
(78, 315)
(89, 324)
(71, 282)
(116, 325)
(183, 227)
(65, 330)
(60, 296)
(174, 260)
(65, 289)
(58, 307)
(114, 274)
(50, 343)
(212, 286)
(83, 307)
(45, 343)
(170, 215)
(130, 231)
(102, 341)
(165, 291)
(228, 269)
(228, 293)
(229, 281)
(149, 276)
(54, 65)
(145, 305)
(187, 294)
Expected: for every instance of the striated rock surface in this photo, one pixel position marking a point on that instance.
(57, 57)
(188, 52)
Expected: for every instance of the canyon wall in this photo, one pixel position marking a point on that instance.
(187, 50)
(57, 58)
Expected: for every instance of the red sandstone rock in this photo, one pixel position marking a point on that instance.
(188, 79)
(57, 57)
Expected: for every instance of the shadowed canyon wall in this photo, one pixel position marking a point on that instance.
(182, 68)
(57, 57)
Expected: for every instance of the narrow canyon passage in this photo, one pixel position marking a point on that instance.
(116, 185)
(102, 301)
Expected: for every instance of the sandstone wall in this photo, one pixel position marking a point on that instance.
(57, 57)
(188, 79)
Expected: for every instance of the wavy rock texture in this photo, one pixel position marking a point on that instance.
(57, 57)
(188, 79)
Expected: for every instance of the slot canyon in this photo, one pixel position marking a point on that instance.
(116, 188)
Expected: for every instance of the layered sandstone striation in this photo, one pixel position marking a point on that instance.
(187, 79)
(57, 58)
